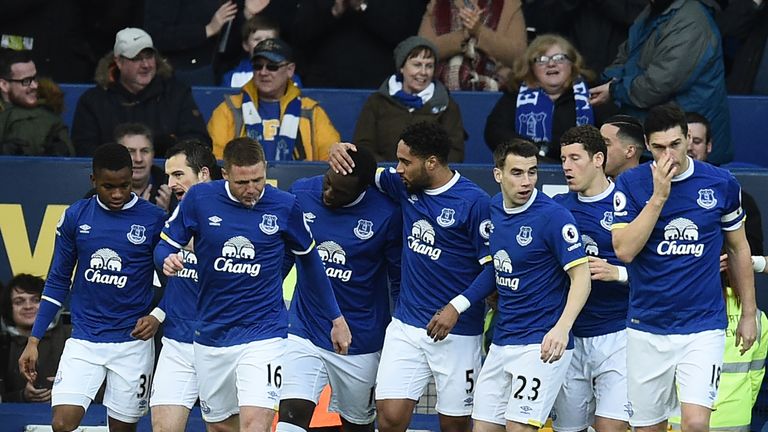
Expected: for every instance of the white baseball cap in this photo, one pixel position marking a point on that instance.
(129, 42)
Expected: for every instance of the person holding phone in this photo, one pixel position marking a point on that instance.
(19, 304)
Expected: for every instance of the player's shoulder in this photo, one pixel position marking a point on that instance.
(706, 170)
(639, 173)
(277, 198)
(375, 200)
(567, 199)
(149, 210)
(469, 189)
(307, 184)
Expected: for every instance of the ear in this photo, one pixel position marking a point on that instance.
(599, 157)
(430, 163)
(497, 175)
(93, 180)
(204, 174)
(224, 173)
(709, 146)
(630, 151)
(291, 68)
(5, 86)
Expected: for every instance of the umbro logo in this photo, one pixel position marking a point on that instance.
(309, 217)
(85, 229)
(214, 221)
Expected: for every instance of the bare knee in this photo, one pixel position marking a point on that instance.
(695, 425)
(63, 424)
(454, 423)
(66, 418)
(394, 415)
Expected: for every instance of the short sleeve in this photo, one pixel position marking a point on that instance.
(389, 182)
(625, 209)
(479, 223)
(733, 214)
(181, 226)
(297, 235)
(564, 239)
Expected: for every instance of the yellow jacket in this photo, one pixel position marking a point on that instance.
(741, 375)
(316, 132)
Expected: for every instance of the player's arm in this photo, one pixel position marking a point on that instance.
(743, 280)
(601, 270)
(323, 296)
(444, 319)
(339, 159)
(54, 294)
(175, 236)
(629, 239)
(393, 254)
(556, 340)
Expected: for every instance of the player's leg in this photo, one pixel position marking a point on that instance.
(575, 404)
(609, 357)
(492, 392)
(304, 377)
(698, 377)
(403, 373)
(651, 362)
(455, 363)
(80, 374)
(174, 388)
(353, 380)
(259, 378)
(215, 368)
(483, 426)
(129, 381)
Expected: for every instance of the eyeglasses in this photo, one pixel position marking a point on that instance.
(25, 82)
(272, 67)
(559, 58)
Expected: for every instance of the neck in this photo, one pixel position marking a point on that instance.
(684, 165)
(24, 331)
(139, 186)
(441, 177)
(598, 186)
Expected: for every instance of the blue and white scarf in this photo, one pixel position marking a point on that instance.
(535, 111)
(412, 101)
(289, 126)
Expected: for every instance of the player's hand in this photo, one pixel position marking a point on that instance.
(600, 94)
(442, 322)
(554, 344)
(338, 158)
(32, 394)
(146, 327)
(663, 171)
(224, 14)
(172, 264)
(163, 199)
(341, 336)
(746, 332)
(601, 270)
(723, 263)
(28, 360)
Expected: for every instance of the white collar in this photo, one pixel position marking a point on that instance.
(445, 187)
(134, 199)
(356, 201)
(600, 196)
(685, 174)
(232, 197)
(522, 208)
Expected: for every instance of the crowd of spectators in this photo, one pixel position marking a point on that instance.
(581, 61)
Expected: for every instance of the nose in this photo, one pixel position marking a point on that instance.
(400, 168)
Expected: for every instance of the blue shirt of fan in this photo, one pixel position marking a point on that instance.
(606, 309)
(111, 254)
(445, 244)
(360, 244)
(533, 246)
(675, 277)
(239, 254)
(179, 301)
(270, 115)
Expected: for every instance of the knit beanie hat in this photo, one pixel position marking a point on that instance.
(403, 48)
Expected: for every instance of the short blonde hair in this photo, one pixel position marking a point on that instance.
(523, 69)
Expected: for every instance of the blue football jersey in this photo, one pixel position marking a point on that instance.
(533, 246)
(111, 254)
(179, 301)
(360, 245)
(445, 244)
(606, 308)
(675, 277)
(239, 254)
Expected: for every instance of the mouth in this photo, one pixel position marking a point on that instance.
(524, 194)
(553, 72)
(179, 194)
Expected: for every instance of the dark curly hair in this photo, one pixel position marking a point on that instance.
(427, 139)
(589, 137)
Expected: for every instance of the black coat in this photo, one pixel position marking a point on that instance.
(500, 126)
(165, 105)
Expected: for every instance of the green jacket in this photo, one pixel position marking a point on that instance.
(740, 377)
(32, 132)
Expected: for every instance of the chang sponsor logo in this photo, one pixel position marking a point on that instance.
(503, 266)
(237, 248)
(333, 256)
(590, 245)
(422, 240)
(189, 259)
(677, 234)
(102, 266)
